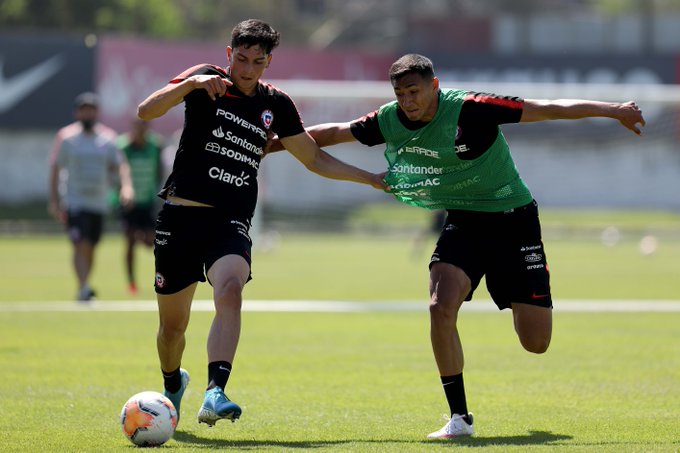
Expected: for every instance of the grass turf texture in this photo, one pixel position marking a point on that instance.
(348, 382)
(355, 382)
(346, 267)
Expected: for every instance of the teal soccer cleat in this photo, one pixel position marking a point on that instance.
(216, 406)
(176, 397)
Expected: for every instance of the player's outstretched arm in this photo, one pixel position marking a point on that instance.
(306, 150)
(327, 134)
(628, 113)
(160, 101)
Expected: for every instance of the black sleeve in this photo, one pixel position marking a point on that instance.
(479, 122)
(367, 129)
(200, 69)
(287, 121)
(491, 108)
(207, 69)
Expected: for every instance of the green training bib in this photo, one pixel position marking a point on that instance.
(424, 169)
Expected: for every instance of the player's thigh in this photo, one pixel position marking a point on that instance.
(228, 261)
(449, 285)
(533, 325)
(180, 249)
(517, 269)
(229, 273)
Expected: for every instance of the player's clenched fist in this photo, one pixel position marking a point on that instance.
(214, 85)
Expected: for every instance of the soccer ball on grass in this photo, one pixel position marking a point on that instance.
(148, 419)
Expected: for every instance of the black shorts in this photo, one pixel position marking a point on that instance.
(85, 226)
(190, 239)
(506, 247)
(138, 218)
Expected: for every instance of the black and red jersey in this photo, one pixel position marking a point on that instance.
(478, 122)
(222, 143)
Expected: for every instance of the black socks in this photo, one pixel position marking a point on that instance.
(454, 389)
(172, 381)
(218, 374)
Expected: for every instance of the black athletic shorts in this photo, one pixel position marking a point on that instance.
(138, 218)
(506, 247)
(85, 226)
(190, 239)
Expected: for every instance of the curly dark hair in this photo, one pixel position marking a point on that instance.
(255, 32)
(409, 64)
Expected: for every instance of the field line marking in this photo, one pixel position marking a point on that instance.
(340, 306)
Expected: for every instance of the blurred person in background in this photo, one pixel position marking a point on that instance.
(210, 197)
(142, 149)
(84, 163)
(445, 150)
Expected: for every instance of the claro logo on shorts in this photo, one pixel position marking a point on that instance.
(224, 176)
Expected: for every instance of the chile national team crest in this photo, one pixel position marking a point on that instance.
(267, 118)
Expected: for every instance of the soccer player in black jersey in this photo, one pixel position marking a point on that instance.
(210, 199)
(445, 150)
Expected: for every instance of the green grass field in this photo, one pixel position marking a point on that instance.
(340, 267)
(348, 382)
(359, 382)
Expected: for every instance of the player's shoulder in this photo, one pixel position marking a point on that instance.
(200, 69)
(479, 97)
(267, 89)
(276, 97)
(123, 141)
(453, 93)
(106, 132)
(155, 139)
(69, 131)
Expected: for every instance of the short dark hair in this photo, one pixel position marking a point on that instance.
(253, 32)
(409, 64)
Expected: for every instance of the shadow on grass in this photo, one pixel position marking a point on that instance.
(532, 438)
(227, 443)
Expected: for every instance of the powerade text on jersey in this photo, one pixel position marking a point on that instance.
(223, 140)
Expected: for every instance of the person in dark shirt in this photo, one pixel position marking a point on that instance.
(210, 195)
(445, 150)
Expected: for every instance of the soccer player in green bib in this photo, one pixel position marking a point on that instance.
(445, 150)
(142, 148)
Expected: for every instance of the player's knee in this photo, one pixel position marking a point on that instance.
(229, 293)
(169, 333)
(537, 345)
(443, 309)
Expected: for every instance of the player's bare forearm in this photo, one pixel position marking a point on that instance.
(326, 134)
(304, 149)
(159, 102)
(329, 134)
(329, 167)
(628, 113)
(54, 205)
(127, 193)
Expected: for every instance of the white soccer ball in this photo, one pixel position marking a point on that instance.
(148, 419)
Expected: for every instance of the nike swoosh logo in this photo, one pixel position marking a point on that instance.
(15, 89)
(539, 296)
(229, 95)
